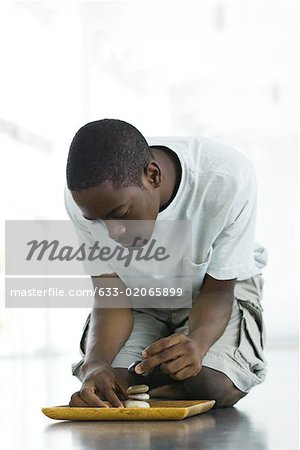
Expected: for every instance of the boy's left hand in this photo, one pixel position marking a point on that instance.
(177, 355)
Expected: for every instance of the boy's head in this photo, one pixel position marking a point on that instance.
(112, 174)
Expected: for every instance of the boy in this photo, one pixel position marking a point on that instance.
(212, 350)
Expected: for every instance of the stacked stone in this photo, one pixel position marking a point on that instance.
(137, 396)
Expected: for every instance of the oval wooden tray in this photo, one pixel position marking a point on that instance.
(160, 410)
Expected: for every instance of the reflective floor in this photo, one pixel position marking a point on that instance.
(266, 419)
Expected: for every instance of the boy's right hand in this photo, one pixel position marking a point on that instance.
(101, 382)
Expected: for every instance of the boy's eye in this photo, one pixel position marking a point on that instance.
(124, 215)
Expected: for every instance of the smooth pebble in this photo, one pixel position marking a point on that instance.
(143, 396)
(136, 404)
(131, 368)
(138, 389)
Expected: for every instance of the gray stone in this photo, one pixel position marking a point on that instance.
(137, 389)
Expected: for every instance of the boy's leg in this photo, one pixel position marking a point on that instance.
(209, 384)
(236, 362)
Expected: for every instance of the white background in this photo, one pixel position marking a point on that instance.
(221, 69)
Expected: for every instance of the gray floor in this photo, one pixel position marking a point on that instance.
(266, 419)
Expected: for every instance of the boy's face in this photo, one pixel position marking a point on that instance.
(115, 207)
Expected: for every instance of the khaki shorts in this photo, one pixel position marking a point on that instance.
(238, 353)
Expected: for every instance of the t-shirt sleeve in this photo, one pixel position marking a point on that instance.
(233, 249)
(91, 267)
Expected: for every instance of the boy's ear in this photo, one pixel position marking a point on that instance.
(153, 173)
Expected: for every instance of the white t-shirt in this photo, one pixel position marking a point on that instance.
(217, 193)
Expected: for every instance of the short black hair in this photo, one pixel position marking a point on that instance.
(107, 149)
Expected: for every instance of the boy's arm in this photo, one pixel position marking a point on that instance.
(109, 329)
(180, 356)
(211, 312)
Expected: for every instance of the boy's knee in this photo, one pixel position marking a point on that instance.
(210, 384)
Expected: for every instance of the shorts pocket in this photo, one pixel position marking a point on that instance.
(249, 351)
(251, 291)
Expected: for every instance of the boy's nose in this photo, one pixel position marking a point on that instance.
(115, 229)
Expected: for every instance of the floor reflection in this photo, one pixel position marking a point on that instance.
(224, 428)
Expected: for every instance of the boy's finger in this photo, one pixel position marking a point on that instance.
(175, 365)
(147, 365)
(76, 401)
(88, 395)
(162, 344)
(165, 356)
(184, 373)
(113, 399)
(121, 386)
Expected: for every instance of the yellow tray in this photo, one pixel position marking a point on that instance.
(160, 410)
